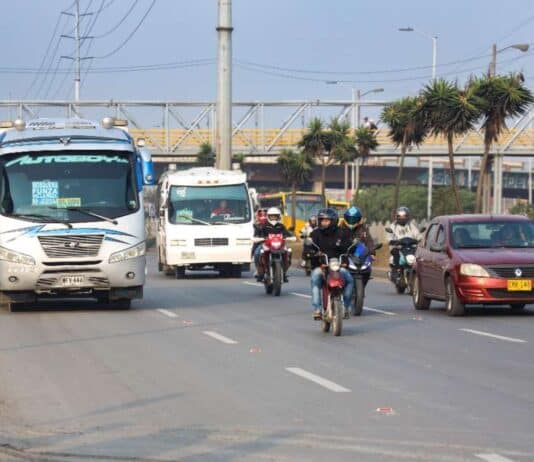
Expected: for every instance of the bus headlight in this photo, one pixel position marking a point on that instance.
(243, 241)
(178, 242)
(16, 257)
(137, 250)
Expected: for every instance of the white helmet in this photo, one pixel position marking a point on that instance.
(274, 216)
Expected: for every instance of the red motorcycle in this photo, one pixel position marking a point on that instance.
(332, 293)
(274, 256)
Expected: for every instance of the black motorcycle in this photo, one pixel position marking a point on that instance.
(401, 275)
(359, 263)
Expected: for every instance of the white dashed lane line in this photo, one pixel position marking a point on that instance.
(499, 337)
(296, 294)
(328, 384)
(219, 337)
(493, 458)
(167, 313)
(376, 310)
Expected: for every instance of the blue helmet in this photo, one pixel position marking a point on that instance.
(352, 216)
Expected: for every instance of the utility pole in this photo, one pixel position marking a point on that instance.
(223, 144)
(77, 39)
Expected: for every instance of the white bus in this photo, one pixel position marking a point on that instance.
(71, 211)
(205, 221)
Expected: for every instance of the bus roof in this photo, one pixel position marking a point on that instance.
(204, 176)
(53, 134)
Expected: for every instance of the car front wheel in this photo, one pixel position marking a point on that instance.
(454, 306)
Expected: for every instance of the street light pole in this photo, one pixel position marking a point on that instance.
(223, 143)
(434, 39)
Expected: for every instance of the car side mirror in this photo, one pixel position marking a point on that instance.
(437, 248)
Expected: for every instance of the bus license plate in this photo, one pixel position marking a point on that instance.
(188, 255)
(70, 281)
(519, 285)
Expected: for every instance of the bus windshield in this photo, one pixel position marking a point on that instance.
(209, 205)
(64, 186)
(307, 205)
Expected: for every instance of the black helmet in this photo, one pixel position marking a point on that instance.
(402, 215)
(329, 213)
(313, 220)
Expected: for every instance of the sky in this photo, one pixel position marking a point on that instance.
(283, 49)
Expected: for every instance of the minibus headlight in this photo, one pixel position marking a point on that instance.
(178, 242)
(137, 250)
(15, 257)
(243, 241)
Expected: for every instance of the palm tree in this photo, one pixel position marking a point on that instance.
(341, 145)
(450, 111)
(295, 169)
(313, 144)
(406, 129)
(503, 97)
(365, 140)
(206, 156)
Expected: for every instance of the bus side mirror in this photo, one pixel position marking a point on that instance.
(147, 167)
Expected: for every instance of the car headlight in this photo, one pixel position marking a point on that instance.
(243, 241)
(178, 242)
(135, 251)
(15, 257)
(470, 269)
(334, 265)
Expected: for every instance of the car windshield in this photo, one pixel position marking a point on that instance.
(64, 186)
(209, 205)
(492, 234)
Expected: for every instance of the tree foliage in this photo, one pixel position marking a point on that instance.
(206, 156)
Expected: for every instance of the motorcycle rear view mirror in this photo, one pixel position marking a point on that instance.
(422, 229)
(388, 230)
(378, 246)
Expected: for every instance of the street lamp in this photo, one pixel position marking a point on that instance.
(434, 39)
(523, 47)
(355, 123)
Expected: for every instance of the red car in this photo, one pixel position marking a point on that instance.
(475, 259)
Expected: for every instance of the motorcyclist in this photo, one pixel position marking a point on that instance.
(401, 227)
(305, 232)
(354, 222)
(273, 225)
(333, 241)
(261, 219)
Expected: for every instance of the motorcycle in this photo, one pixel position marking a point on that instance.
(359, 263)
(332, 294)
(274, 254)
(402, 275)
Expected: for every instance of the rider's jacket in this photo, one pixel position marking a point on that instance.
(362, 234)
(400, 231)
(332, 242)
(267, 228)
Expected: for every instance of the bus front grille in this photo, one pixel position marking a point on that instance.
(211, 241)
(71, 245)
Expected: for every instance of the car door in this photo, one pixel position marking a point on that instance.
(424, 260)
(439, 262)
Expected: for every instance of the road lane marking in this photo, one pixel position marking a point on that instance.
(296, 294)
(376, 310)
(252, 283)
(499, 337)
(332, 386)
(219, 337)
(493, 458)
(170, 314)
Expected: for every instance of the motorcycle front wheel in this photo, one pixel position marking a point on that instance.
(277, 277)
(337, 316)
(359, 295)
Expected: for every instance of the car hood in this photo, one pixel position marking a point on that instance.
(499, 256)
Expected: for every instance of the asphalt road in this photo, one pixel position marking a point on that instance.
(213, 369)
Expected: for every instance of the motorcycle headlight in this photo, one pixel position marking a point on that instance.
(276, 245)
(334, 265)
(15, 257)
(135, 251)
(470, 269)
(410, 259)
(352, 265)
(364, 267)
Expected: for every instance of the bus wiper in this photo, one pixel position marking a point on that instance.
(87, 212)
(195, 220)
(38, 216)
(220, 223)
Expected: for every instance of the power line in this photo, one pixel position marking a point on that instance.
(111, 53)
(116, 26)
